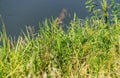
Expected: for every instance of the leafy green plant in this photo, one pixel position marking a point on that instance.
(104, 11)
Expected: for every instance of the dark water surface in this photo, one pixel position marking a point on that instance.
(20, 13)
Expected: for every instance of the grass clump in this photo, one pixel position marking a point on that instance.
(89, 48)
(86, 49)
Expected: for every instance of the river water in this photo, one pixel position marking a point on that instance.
(20, 13)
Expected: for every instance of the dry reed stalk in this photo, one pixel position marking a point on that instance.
(62, 15)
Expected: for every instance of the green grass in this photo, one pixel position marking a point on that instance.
(88, 49)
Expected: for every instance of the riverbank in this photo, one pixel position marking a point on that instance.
(89, 48)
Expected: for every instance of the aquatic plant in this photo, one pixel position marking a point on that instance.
(59, 19)
(105, 9)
